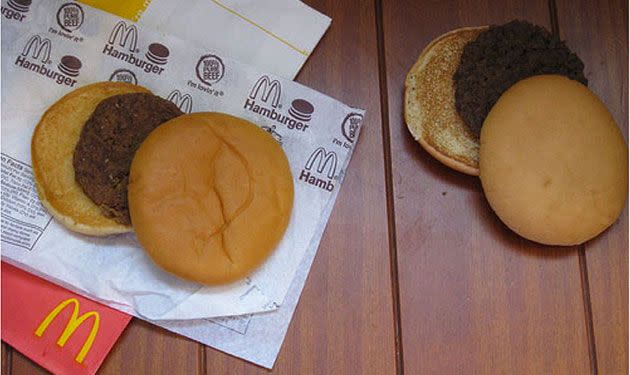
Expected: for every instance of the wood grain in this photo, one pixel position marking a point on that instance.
(22, 365)
(147, 349)
(475, 298)
(598, 32)
(344, 321)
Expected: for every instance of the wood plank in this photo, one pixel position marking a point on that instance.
(147, 349)
(475, 298)
(344, 321)
(598, 32)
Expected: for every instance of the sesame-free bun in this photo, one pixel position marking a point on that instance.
(430, 111)
(553, 163)
(52, 149)
(210, 196)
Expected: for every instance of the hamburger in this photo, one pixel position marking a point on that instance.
(460, 75)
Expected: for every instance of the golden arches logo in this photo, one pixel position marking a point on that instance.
(124, 34)
(73, 323)
(39, 47)
(267, 87)
(322, 157)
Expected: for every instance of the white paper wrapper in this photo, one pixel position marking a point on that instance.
(276, 36)
(114, 270)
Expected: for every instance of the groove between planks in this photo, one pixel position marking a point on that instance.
(588, 310)
(553, 17)
(7, 365)
(389, 188)
(201, 359)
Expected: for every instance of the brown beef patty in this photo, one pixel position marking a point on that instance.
(503, 55)
(108, 142)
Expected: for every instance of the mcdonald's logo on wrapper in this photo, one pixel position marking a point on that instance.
(322, 157)
(265, 100)
(35, 58)
(122, 45)
(61, 331)
(182, 101)
(320, 169)
(125, 35)
(266, 87)
(38, 48)
(72, 325)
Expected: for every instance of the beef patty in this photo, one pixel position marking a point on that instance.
(503, 55)
(108, 142)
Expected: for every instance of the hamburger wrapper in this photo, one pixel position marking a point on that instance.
(276, 36)
(53, 47)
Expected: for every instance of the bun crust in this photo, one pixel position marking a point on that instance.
(52, 150)
(210, 196)
(553, 163)
(430, 111)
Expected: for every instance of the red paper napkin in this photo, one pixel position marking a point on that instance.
(60, 330)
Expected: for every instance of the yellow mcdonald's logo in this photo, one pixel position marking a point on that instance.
(73, 323)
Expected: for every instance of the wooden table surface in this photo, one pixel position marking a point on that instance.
(415, 273)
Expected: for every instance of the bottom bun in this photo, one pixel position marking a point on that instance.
(52, 150)
(430, 111)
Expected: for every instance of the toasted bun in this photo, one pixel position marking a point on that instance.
(210, 196)
(430, 111)
(553, 163)
(52, 149)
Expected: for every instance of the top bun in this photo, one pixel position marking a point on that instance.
(553, 163)
(210, 196)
